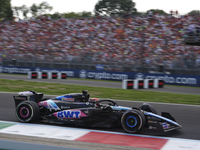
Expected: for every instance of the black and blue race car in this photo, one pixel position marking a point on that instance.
(81, 110)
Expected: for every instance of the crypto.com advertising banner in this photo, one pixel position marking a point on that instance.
(170, 79)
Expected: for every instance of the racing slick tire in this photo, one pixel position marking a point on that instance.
(133, 121)
(27, 111)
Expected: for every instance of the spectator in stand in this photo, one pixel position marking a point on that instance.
(191, 29)
(116, 41)
(197, 30)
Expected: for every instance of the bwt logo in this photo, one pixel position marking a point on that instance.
(68, 114)
(83, 74)
(139, 76)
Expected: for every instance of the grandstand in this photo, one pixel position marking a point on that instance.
(134, 44)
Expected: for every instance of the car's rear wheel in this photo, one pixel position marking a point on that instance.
(133, 121)
(27, 111)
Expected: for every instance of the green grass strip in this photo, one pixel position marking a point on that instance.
(5, 125)
(99, 92)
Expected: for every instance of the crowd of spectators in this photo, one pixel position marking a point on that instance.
(133, 41)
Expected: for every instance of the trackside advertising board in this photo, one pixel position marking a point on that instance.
(170, 79)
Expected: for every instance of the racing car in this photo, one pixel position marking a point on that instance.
(81, 110)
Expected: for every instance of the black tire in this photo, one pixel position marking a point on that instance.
(27, 111)
(133, 121)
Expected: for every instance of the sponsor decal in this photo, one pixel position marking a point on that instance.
(139, 76)
(15, 70)
(49, 104)
(83, 74)
(116, 111)
(151, 116)
(89, 103)
(104, 75)
(150, 127)
(159, 118)
(69, 114)
(37, 69)
(67, 99)
(20, 97)
(165, 125)
(168, 79)
(151, 121)
(64, 107)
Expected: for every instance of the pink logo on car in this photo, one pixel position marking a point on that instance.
(70, 114)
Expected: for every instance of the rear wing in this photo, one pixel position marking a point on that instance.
(27, 95)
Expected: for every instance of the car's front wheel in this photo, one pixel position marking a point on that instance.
(27, 111)
(133, 121)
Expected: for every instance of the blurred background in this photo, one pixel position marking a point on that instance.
(114, 37)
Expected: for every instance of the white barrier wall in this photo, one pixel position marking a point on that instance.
(46, 75)
(142, 84)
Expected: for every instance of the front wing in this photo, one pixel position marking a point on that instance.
(155, 121)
